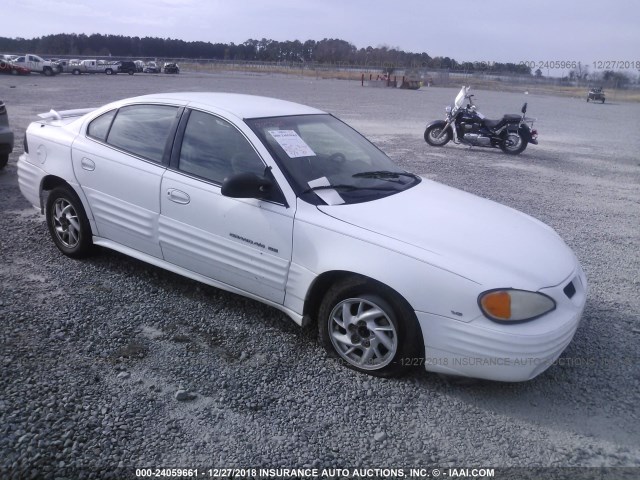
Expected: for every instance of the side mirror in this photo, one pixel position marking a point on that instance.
(246, 185)
(524, 108)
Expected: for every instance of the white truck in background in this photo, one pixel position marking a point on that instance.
(37, 64)
(93, 66)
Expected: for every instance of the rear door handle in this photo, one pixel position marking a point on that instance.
(178, 196)
(88, 164)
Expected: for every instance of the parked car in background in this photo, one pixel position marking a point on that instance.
(151, 67)
(127, 66)
(288, 205)
(139, 65)
(68, 64)
(11, 68)
(596, 95)
(37, 64)
(56, 63)
(6, 136)
(171, 68)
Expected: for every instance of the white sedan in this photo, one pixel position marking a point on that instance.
(288, 205)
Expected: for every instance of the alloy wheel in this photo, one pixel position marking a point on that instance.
(363, 334)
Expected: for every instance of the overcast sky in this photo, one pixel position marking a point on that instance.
(467, 30)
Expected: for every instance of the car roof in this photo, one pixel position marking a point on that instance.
(240, 105)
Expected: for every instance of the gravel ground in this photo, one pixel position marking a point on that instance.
(95, 352)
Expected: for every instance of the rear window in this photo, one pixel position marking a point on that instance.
(99, 127)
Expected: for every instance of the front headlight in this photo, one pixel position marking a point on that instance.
(509, 305)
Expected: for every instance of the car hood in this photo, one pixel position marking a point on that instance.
(479, 239)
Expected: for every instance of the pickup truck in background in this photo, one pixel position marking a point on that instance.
(37, 64)
(93, 66)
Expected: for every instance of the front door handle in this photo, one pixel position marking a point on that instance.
(178, 196)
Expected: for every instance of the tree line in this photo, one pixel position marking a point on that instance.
(326, 51)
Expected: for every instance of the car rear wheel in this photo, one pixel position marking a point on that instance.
(48, 72)
(369, 328)
(108, 71)
(68, 223)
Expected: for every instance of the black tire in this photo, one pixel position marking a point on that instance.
(603, 100)
(108, 71)
(14, 71)
(48, 72)
(131, 72)
(68, 223)
(433, 131)
(510, 148)
(587, 99)
(76, 72)
(4, 159)
(388, 353)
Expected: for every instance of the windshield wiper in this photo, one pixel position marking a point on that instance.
(345, 187)
(384, 174)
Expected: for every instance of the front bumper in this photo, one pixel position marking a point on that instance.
(509, 353)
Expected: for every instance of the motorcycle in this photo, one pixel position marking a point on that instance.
(512, 133)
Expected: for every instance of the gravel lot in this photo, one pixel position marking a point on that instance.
(94, 351)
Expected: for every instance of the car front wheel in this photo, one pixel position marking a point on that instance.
(68, 224)
(369, 328)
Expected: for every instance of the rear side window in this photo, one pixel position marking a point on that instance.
(99, 127)
(142, 129)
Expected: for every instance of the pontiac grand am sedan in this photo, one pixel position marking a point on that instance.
(286, 204)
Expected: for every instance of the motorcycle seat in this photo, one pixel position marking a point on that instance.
(512, 118)
(508, 118)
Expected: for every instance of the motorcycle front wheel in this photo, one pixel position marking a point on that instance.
(432, 133)
(513, 144)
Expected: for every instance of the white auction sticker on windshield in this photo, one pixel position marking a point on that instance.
(329, 195)
(292, 144)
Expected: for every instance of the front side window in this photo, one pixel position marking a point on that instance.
(214, 149)
(142, 129)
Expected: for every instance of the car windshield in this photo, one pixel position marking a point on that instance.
(318, 153)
